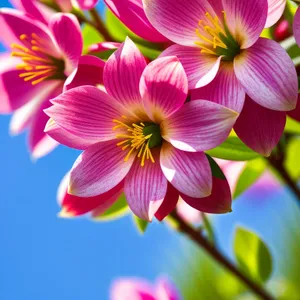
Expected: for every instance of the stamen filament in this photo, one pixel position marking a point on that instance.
(135, 141)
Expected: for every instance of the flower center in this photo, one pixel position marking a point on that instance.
(38, 64)
(139, 139)
(215, 38)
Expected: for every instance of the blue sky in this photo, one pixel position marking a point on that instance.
(43, 257)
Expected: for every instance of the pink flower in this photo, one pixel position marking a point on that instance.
(223, 55)
(44, 60)
(140, 135)
(275, 11)
(138, 289)
(43, 13)
(132, 14)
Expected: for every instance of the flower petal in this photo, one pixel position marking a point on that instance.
(40, 144)
(67, 33)
(86, 112)
(225, 89)
(169, 203)
(268, 75)
(145, 188)
(296, 26)
(295, 114)
(99, 169)
(198, 126)
(166, 290)
(75, 206)
(30, 7)
(14, 23)
(122, 74)
(177, 20)
(246, 20)
(103, 46)
(89, 72)
(24, 115)
(131, 289)
(13, 98)
(188, 172)
(132, 14)
(163, 88)
(260, 128)
(200, 68)
(275, 11)
(218, 202)
(65, 137)
(87, 4)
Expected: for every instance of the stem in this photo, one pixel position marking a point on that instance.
(219, 257)
(279, 166)
(100, 26)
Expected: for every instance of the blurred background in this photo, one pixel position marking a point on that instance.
(45, 257)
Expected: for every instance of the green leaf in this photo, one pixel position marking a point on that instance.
(252, 255)
(119, 32)
(141, 225)
(215, 169)
(251, 172)
(292, 126)
(90, 36)
(233, 149)
(117, 210)
(292, 158)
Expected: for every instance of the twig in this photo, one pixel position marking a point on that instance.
(100, 26)
(219, 257)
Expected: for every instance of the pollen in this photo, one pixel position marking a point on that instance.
(38, 64)
(137, 139)
(215, 37)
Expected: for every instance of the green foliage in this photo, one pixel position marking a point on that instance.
(119, 32)
(252, 255)
(292, 126)
(292, 158)
(141, 225)
(117, 210)
(90, 36)
(233, 149)
(252, 171)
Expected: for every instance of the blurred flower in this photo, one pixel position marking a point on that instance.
(232, 171)
(43, 10)
(138, 289)
(44, 60)
(140, 135)
(275, 11)
(188, 213)
(282, 30)
(132, 14)
(219, 46)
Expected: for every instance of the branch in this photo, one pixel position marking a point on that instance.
(100, 26)
(219, 257)
(279, 166)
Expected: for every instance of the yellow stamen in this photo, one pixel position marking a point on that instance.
(135, 141)
(38, 65)
(209, 32)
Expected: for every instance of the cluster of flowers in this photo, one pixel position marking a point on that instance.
(144, 127)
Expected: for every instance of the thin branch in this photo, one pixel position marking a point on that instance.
(278, 165)
(202, 242)
(100, 26)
